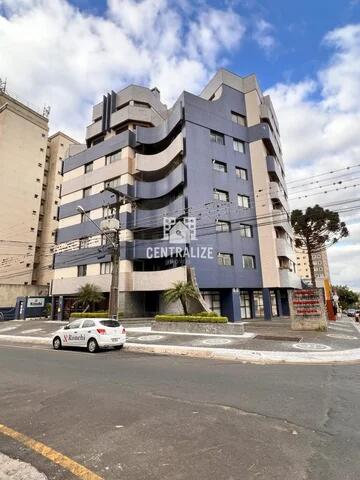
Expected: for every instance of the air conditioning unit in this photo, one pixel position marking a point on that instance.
(110, 225)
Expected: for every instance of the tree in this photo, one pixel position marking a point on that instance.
(316, 229)
(89, 295)
(347, 298)
(180, 291)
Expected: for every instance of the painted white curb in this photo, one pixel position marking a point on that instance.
(245, 356)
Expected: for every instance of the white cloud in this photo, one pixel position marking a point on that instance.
(319, 120)
(53, 53)
(263, 35)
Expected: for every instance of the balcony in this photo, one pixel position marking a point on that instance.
(273, 166)
(148, 190)
(151, 281)
(280, 219)
(131, 112)
(154, 218)
(151, 163)
(289, 279)
(277, 193)
(284, 249)
(94, 129)
(70, 286)
(154, 135)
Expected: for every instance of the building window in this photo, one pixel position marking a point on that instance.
(243, 201)
(81, 270)
(245, 304)
(258, 303)
(225, 259)
(212, 299)
(222, 226)
(217, 137)
(274, 307)
(221, 195)
(238, 118)
(114, 182)
(86, 192)
(246, 231)
(38, 179)
(248, 261)
(219, 166)
(239, 146)
(114, 157)
(241, 173)
(89, 167)
(84, 242)
(85, 217)
(105, 268)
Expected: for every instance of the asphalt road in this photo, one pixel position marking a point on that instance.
(133, 417)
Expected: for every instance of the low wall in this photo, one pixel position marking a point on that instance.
(193, 327)
(10, 292)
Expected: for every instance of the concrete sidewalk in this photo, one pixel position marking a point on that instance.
(263, 342)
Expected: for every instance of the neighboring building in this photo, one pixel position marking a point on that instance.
(321, 266)
(214, 157)
(26, 177)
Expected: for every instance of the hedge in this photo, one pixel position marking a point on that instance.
(92, 315)
(206, 314)
(190, 318)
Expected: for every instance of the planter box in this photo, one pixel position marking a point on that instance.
(193, 327)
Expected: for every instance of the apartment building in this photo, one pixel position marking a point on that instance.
(205, 176)
(321, 266)
(30, 179)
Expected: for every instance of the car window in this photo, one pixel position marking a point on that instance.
(88, 324)
(110, 323)
(75, 324)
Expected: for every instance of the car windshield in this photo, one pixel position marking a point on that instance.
(110, 323)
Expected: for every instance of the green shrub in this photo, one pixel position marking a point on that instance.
(207, 314)
(100, 314)
(190, 318)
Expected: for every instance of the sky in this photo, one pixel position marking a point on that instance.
(68, 53)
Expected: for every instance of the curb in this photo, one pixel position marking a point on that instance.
(241, 356)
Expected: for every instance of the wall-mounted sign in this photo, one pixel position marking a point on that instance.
(35, 302)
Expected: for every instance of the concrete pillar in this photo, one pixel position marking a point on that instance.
(267, 304)
(231, 304)
(60, 310)
(279, 303)
(52, 311)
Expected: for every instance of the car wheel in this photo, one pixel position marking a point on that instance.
(57, 343)
(92, 345)
(118, 347)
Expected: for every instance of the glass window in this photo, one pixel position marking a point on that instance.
(241, 173)
(212, 299)
(114, 157)
(238, 145)
(221, 195)
(75, 324)
(245, 304)
(81, 270)
(105, 268)
(222, 226)
(219, 166)
(238, 118)
(88, 324)
(258, 303)
(246, 230)
(110, 323)
(114, 182)
(84, 242)
(225, 259)
(248, 261)
(243, 201)
(217, 137)
(85, 217)
(86, 192)
(274, 307)
(89, 167)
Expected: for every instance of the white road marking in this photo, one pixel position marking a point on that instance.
(311, 346)
(216, 341)
(7, 329)
(341, 336)
(32, 330)
(148, 338)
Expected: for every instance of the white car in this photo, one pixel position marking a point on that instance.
(91, 333)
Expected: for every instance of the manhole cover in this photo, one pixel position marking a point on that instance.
(148, 338)
(341, 337)
(311, 346)
(216, 341)
(278, 338)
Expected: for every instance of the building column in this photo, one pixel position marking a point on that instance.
(231, 304)
(52, 311)
(267, 304)
(279, 303)
(60, 309)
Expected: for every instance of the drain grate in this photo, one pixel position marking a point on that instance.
(280, 339)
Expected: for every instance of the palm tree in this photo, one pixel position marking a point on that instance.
(89, 295)
(180, 291)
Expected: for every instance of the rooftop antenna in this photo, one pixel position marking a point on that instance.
(2, 85)
(46, 111)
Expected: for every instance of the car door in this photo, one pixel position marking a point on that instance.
(88, 330)
(73, 334)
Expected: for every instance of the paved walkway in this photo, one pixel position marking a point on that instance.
(262, 341)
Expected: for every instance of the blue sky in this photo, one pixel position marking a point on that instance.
(68, 53)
